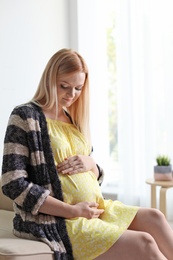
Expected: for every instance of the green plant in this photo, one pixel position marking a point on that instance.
(163, 160)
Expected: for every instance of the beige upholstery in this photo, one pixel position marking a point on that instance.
(12, 247)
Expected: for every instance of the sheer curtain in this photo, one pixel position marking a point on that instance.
(144, 62)
(145, 80)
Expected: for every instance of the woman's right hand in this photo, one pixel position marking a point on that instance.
(87, 210)
(55, 207)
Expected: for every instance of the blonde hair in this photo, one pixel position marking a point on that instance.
(65, 61)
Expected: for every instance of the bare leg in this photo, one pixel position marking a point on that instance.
(133, 245)
(154, 222)
(149, 237)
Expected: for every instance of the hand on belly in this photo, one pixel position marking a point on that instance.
(80, 187)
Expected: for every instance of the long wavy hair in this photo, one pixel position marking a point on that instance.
(65, 61)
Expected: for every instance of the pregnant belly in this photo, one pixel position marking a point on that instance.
(80, 187)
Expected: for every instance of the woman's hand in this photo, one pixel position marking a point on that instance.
(77, 163)
(87, 210)
(55, 207)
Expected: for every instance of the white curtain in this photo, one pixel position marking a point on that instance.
(144, 61)
(145, 80)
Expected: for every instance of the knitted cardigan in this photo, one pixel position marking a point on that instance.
(29, 175)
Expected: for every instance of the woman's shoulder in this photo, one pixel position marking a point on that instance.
(29, 106)
(28, 110)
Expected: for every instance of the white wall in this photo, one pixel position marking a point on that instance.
(31, 31)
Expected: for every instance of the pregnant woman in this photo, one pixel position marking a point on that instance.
(49, 173)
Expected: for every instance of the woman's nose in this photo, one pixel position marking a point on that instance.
(71, 92)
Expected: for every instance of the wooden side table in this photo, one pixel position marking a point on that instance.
(164, 186)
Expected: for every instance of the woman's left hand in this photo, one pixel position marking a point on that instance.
(77, 163)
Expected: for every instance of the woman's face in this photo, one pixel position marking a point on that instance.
(69, 88)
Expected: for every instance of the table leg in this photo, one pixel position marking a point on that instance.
(153, 196)
(163, 200)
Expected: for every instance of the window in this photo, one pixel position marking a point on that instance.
(96, 42)
(129, 52)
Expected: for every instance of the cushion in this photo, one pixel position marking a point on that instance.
(12, 247)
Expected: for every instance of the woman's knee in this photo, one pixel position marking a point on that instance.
(148, 246)
(145, 218)
(156, 216)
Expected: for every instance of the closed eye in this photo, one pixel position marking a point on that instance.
(79, 89)
(66, 87)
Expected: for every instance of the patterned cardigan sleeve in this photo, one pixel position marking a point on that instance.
(17, 160)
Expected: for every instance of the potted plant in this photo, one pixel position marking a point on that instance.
(163, 169)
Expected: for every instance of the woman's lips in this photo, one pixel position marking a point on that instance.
(68, 99)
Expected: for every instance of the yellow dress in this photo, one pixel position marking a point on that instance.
(89, 238)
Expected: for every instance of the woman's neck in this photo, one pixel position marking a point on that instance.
(61, 115)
